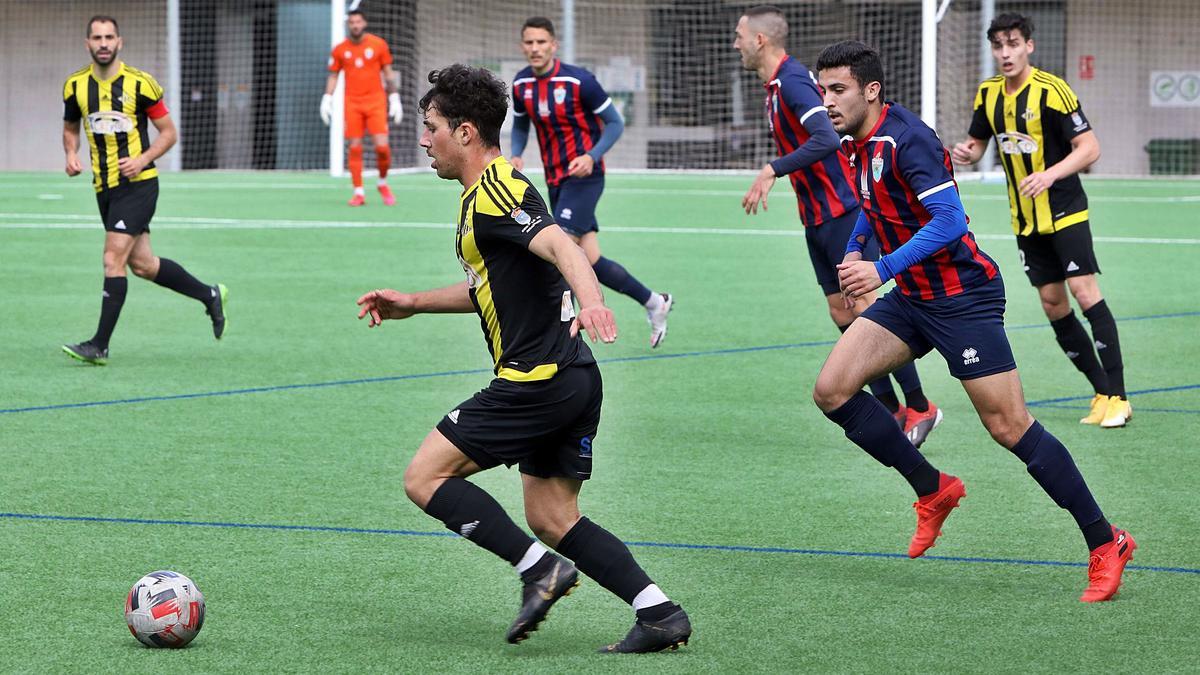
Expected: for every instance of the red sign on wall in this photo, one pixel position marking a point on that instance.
(1087, 67)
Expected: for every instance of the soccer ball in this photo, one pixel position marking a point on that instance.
(164, 609)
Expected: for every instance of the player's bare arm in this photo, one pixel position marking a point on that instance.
(759, 190)
(555, 247)
(167, 135)
(386, 303)
(1085, 150)
(969, 151)
(71, 147)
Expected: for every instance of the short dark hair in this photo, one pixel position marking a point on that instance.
(539, 22)
(465, 94)
(358, 12)
(1010, 21)
(778, 27)
(102, 18)
(863, 61)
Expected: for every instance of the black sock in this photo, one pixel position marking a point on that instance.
(171, 275)
(1108, 346)
(657, 613)
(614, 276)
(1075, 342)
(869, 426)
(910, 383)
(925, 480)
(1050, 464)
(467, 510)
(110, 309)
(539, 568)
(601, 556)
(1097, 534)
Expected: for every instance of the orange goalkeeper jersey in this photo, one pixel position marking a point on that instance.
(362, 63)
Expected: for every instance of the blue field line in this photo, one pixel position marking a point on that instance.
(480, 371)
(1156, 390)
(645, 544)
(1177, 411)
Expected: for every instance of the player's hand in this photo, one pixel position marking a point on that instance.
(963, 153)
(395, 108)
(858, 277)
(327, 108)
(598, 321)
(74, 166)
(385, 303)
(580, 167)
(1036, 183)
(759, 190)
(848, 301)
(517, 163)
(131, 166)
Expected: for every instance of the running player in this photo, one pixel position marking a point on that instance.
(576, 125)
(116, 102)
(948, 296)
(1044, 142)
(542, 410)
(364, 58)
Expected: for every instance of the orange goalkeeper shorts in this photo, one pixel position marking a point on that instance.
(372, 117)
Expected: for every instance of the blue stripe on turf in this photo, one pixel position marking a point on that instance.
(480, 371)
(648, 544)
(1155, 390)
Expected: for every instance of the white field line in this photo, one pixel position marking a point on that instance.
(46, 221)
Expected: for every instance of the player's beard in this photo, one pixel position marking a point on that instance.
(106, 60)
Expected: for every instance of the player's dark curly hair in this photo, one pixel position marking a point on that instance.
(1010, 21)
(539, 22)
(863, 61)
(465, 94)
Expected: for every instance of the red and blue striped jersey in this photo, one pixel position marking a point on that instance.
(564, 106)
(899, 163)
(823, 189)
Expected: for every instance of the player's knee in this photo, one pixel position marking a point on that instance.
(146, 269)
(418, 484)
(551, 528)
(1056, 308)
(1087, 295)
(827, 393)
(1007, 430)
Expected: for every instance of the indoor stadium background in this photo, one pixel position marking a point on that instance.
(267, 467)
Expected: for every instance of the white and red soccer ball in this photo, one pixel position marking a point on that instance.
(164, 609)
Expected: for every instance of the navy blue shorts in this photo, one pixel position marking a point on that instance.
(967, 329)
(827, 249)
(573, 203)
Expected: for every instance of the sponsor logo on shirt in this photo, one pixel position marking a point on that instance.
(109, 122)
(1014, 143)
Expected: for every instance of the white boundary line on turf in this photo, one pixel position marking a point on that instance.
(87, 222)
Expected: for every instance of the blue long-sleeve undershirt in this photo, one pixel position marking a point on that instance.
(949, 223)
(614, 126)
(822, 141)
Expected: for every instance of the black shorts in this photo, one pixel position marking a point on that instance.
(128, 208)
(1050, 258)
(827, 248)
(573, 203)
(545, 427)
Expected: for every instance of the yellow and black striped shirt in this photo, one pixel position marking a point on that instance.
(115, 114)
(1033, 130)
(524, 304)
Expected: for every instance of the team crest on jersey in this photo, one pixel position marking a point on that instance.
(368, 52)
(1029, 115)
(560, 95)
(1080, 125)
(877, 164)
(346, 54)
(520, 216)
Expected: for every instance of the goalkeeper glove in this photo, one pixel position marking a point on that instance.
(327, 108)
(395, 109)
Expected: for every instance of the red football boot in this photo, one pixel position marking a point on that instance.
(357, 200)
(388, 198)
(1106, 565)
(932, 511)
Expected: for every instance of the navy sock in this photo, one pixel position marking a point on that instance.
(467, 510)
(603, 557)
(110, 309)
(1108, 346)
(910, 383)
(869, 426)
(614, 276)
(1077, 345)
(171, 275)
(1050, 464)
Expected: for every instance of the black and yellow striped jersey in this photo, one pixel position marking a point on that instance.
(1033, 130)
(115, 114)
(524, 304)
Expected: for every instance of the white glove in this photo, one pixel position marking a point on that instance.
(395, 109)
(327, 108)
